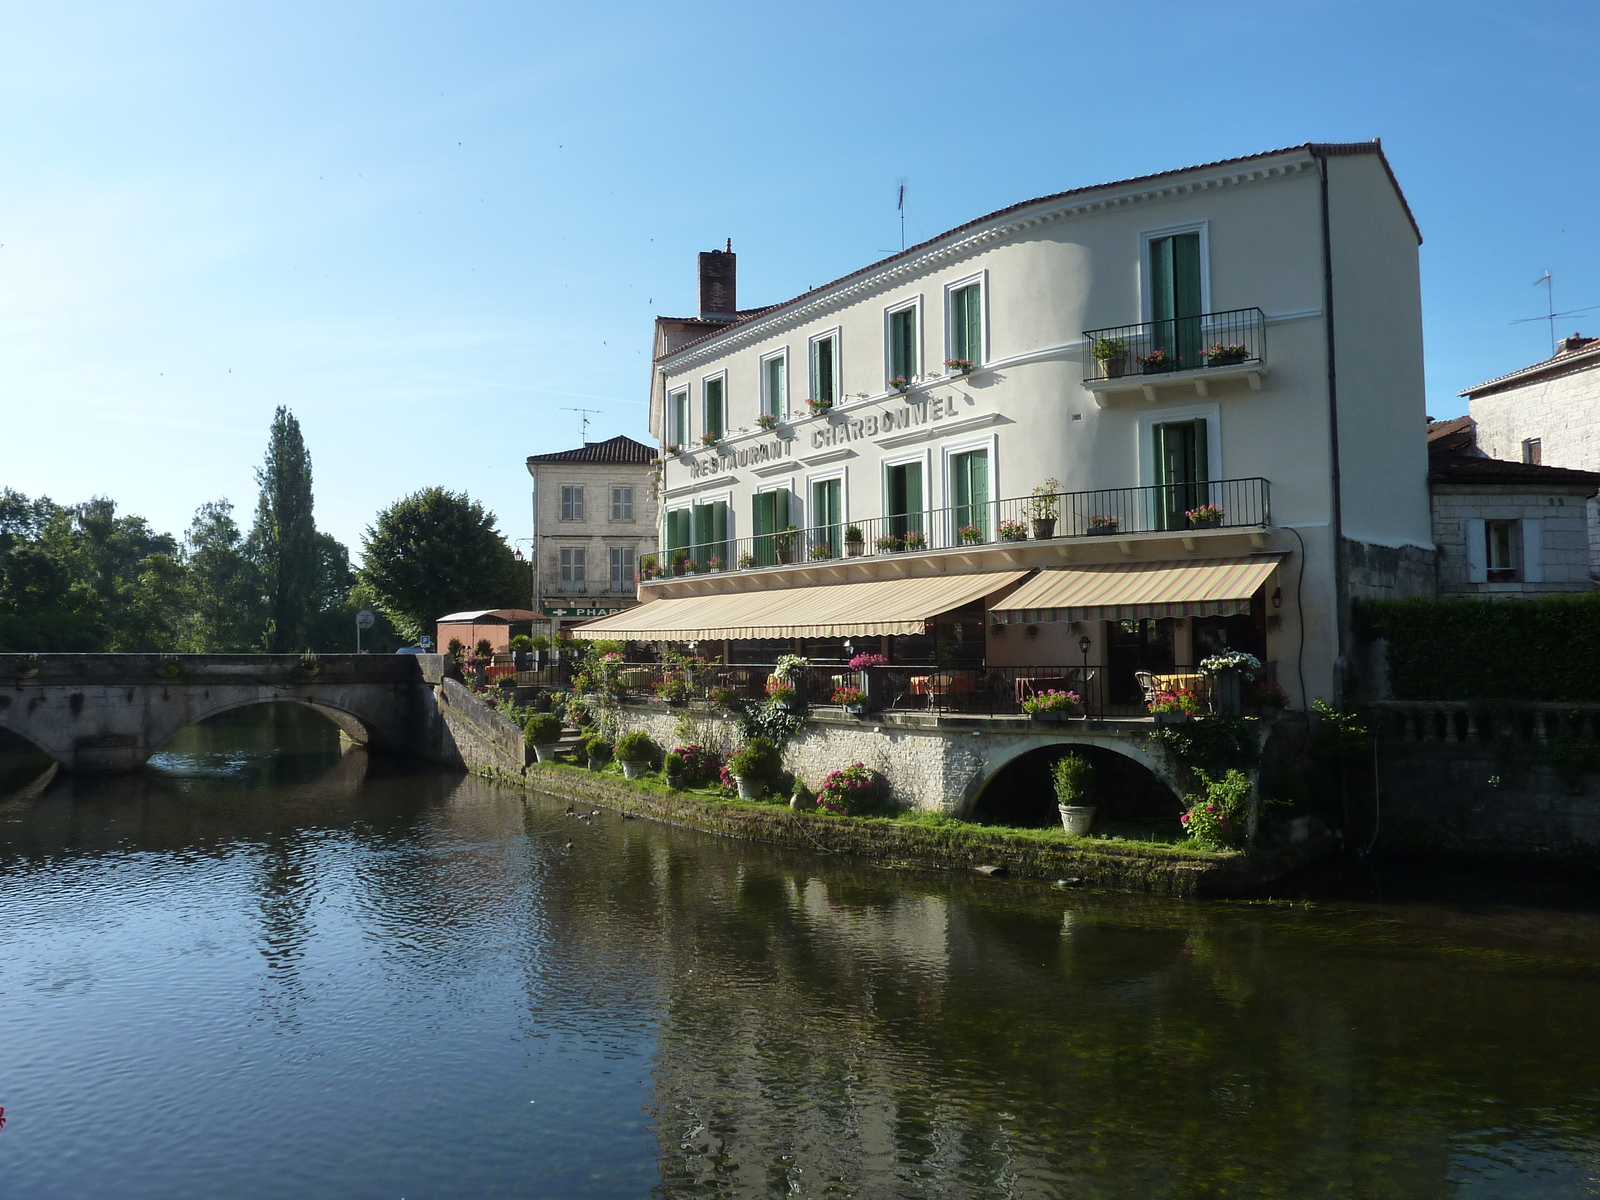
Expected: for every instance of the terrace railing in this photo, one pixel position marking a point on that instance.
(1210, 340)
(1164, 507)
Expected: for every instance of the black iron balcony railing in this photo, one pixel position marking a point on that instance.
(1160, 508)
(1210, 340)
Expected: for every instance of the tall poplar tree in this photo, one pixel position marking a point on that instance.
(284, 539)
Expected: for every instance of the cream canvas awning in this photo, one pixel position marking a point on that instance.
(880, 606)
(1218, 587)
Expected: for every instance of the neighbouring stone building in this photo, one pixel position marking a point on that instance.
(1546, 414)
(1505, 528)
(1108, 431)
(595, 515)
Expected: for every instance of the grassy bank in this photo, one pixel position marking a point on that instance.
(922, 839)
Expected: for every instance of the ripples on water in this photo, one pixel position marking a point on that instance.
(266, 969)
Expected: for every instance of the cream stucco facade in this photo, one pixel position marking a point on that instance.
(1282, 233)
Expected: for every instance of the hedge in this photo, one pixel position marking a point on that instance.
(1467, 648)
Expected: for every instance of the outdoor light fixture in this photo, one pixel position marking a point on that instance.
(1083, 645)
(517, 554)
(1277, 597)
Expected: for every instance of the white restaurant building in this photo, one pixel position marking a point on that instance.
(1244, 335)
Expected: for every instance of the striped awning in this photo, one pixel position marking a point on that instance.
(1217, 587)
(879, 606)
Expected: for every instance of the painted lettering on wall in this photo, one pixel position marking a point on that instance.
(883, 424)
(745, 456)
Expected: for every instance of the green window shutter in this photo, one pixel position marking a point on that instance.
(903, 343)
(822, 369)
(970, 473)
(966, 324)
(677, 530)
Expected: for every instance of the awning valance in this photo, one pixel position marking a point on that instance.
(879, 606)
(1216, 587)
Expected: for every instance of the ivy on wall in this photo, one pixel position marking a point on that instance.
(1466, 648)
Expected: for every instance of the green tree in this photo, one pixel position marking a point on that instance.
(436, 552)
(228, 613)
(284, 540)
(44, 603)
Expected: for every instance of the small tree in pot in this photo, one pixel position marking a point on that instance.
(1044, 506)
(755, 768)
(854, 541)
(636, 752)
(543, 732)
(1112, 355)
(1073, 776)
(597, 750)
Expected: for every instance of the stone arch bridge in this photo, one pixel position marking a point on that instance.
(111, 712)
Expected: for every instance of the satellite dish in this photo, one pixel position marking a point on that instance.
(365, 619)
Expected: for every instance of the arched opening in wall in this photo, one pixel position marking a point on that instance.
(21, 763)
(276, 742)
(1130, 800)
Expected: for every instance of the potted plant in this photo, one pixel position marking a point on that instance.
(852, 699)
(970, 535)
(649, 566)
(672, 768)
(1073, 776)
(818, 406)
(1220, 354)
(1174, 708)
(1157, 361)
(820, 550)
(1206, 516)
(900, 384)
(1044, 507)
(636, 751)
(783, 696)
(1228, 669)
(1053, 705)
(914, 540)
(725, 697)
(855, 542)
(755, 767)
(308, 664)
(1013, 531)
(543, 732)
(709, 438)
(766, 421)
(672, 448)
(746, 561)
(887, 544)
(673, 692)
(597, 751)
(1112, 355)
(680, 562)
(1102, 526)
(958, 366)
(783, 542)
(1271, 700)
(715, 563)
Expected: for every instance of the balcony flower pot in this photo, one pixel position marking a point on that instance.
(547, 753)
(750, 789)
(1205, 522)
(1171, 718)
(1054, 718)
(855, 549)
(1044, 528)
(634, 768)
(785, 557)
(675, 782)
(856, 710)
(1225, 360)
(1076, 819)
(1102, 530)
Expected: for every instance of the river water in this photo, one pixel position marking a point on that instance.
(268, 969)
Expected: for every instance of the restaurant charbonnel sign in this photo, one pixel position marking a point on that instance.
(869, 425)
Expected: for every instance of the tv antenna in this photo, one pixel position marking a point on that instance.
(901, 205)
(585, 412)
(1550, 309)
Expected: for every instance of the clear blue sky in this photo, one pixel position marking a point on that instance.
(429, 229)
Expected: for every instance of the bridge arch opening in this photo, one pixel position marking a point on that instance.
(1130, 799)
(21, 761)
(285, 741)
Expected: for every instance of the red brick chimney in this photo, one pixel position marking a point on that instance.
(1565, 346)
(719, 284)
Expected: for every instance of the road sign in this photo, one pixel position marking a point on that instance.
(424, 641)
(575, 613)
(365, 619)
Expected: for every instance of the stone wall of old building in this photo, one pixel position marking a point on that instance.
(1564, 532)
(1376, 572)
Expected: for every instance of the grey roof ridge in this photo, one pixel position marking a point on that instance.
(1547, 364)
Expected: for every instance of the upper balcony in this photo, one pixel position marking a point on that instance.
(1192, 352)
(1043, 529)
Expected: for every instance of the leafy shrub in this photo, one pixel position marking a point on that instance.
(725, 697)
(1213, 746)
(1072, 774)
(637, 746)
(542, 729)
(700, 765)
(673, 766)
(539, 642)
(1218, 818)
(856, 791)
(484, 648)
(758, 760)
(521, 642)
(595, 746)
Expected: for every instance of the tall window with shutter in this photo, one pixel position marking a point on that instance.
(622, 504)
(1176, 304)
(623, 568)
(769, 517)
(678, 418)
(710, 528)
(825, 369)
(827, 515)
(903, 359)
(571, 502)
(716, 406)
(775, 386)
(969, 488)
(966, 323)
(574, 568)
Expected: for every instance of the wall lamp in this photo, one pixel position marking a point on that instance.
(1277, 598)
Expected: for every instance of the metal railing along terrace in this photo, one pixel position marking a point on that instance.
(1209, 340)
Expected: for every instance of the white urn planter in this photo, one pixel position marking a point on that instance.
(634, 768)
(750, 789)
(1076, 819)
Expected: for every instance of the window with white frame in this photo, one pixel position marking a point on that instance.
(904, 359)
(622, 504)
(574, 565)
(1505, 551)
(825, 368)
(964, 323)
(775, 385)
(678, 418)
(623, 567)
(571, 502)
(715, 407)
